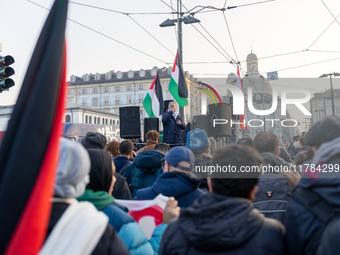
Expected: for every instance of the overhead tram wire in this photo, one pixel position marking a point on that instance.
(173, 17)
(336, 19)
(107, 36)
(231, 39)
(330, 12)
(129, 15)
(120, 12)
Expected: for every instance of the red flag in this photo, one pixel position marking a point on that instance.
(243, 118)
(28, 154)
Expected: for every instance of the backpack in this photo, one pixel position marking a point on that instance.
(272, 195)
(318, 206)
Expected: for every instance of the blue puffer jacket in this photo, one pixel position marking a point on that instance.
(173, 184)
(145, 169)
(131, 234)
(171, 131)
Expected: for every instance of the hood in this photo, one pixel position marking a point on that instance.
(272, 159)
(175, 183)
(326, 184)
(215, 223)
(149, 161)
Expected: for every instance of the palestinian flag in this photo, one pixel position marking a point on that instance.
(178, 85)
(29, 150)
(153, 101)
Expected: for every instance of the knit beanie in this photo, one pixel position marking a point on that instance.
(94, 140)
(73, 170)
(197, 139)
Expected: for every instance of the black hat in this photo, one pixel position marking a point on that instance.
(94, 140)
(323, 131)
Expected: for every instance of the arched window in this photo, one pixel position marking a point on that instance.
(95, 120)
(86, 119)
(90, 119)
(103, 121)
(67, 118)
(106, 121)
(110, 122)
(114, 122)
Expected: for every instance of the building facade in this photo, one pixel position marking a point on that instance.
(321, 105)
(111, 90)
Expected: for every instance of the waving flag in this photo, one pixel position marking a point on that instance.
(178, 85)
(28, 153)
(153, 101)
(243, 118)
(147, 213)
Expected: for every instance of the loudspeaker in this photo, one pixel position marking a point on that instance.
(129, 122)
(200, 121)
(150, 124)
(166, 104)
(219, 112)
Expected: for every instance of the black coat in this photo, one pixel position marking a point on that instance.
(172, 133)
(109, 243)
(121, 188)
(217, 224)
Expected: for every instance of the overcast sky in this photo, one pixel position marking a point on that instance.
(271, 28)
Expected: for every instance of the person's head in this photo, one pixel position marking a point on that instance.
(297, 145)
(73, 169)
(212, 142)
(102, 171)
(126, 148)
(266, 142)
(281, 144)
(198, 142)
(285, 155)
(162, 148)
(245, 141)
(236, 184)
(179, 159)
(152, 135)
(94, 140)
(172, 106)
(323, 131)
(301, 157)
(113, 148)
(287, 144)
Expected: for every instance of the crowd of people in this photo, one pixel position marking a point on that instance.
(288, 206)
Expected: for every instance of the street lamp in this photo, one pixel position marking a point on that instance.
(330, 76)
(179, 20)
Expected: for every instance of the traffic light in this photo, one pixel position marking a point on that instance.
(5, 72)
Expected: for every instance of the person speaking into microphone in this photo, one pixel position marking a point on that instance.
(172, 126)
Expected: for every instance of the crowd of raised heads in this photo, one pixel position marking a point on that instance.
(287, 204)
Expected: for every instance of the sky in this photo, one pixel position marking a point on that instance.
(268, 29)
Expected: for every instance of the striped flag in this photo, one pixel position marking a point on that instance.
(243, 118)
(153, 101)
(178, 85)
(29, 150)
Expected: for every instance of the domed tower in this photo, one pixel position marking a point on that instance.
(254, 79)
(252, 64)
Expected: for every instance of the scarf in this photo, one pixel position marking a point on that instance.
(100, 199)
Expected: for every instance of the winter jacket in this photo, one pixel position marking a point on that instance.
(149, 146)
(180, 185)
(171, 131)
(296, 151)
(121, 189)
(271, 159)
(217, 224)
(120, 161)
(304, 230)
(145, 169)
(131, 234)
(109, 243)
